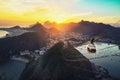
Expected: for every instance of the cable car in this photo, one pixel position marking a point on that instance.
(91, 47)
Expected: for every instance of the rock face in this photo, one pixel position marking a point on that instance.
(59, 63)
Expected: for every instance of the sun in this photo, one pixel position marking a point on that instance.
(59, 18)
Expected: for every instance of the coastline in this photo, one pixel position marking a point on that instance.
(20, 59)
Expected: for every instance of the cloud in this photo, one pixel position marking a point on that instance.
(58, 10)
(22, 5)
(36, 12)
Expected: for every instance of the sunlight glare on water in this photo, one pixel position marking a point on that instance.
(3, 33)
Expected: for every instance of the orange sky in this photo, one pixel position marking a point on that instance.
(26, 12)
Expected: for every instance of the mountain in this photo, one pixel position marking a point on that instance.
(14, 31)
(16, 27)
(54, 30)
(49, 24)
(87, 27)
(27, 41)
(36, 27)
(68, 26)
(106, 31)
(59, 63)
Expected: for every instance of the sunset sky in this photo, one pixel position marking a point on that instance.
(24, 12)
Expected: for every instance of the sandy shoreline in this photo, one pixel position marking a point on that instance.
(20, 59)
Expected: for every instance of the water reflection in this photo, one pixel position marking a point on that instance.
(107, 56)
(12, 69)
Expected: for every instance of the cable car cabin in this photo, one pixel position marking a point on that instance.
(91, 48)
